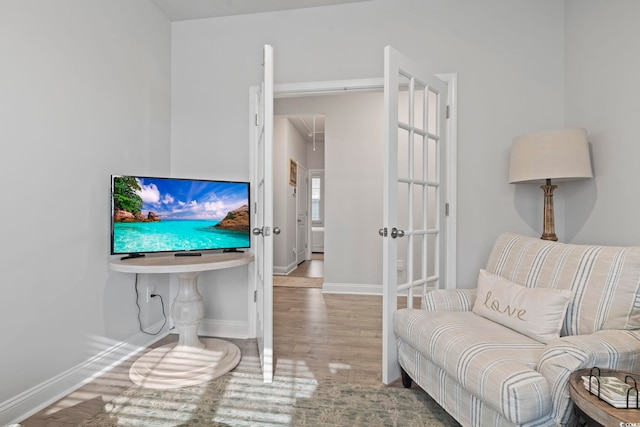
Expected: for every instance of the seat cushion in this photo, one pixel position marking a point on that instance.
(490, 361)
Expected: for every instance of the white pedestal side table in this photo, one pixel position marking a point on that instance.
(191, 361)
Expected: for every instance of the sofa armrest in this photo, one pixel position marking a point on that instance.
(449, 300)
(609, 349)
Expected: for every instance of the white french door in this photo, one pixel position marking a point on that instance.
(262, 170)
(414, 176)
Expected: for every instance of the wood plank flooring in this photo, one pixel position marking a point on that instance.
(310, 268)
(329, 337)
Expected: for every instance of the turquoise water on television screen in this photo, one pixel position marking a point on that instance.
(174, 235)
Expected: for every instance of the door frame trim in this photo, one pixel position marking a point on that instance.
(333, 87)
(329, 87)
(451, 221)
(253, 276)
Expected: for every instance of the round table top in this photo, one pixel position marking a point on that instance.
(181, 264)
(599, 410)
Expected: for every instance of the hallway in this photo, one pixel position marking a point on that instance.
(310, 268)
(309, 274)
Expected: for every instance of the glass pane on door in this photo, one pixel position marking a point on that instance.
(419, 158)
(403, 206)
(404, 109)
(404, 153)
(432, 160)
(432, 255)
(419, 208)
(432, 112)
(419, 104)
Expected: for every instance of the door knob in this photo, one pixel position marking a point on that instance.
(257, 231)
(396, 233)
(276, 230)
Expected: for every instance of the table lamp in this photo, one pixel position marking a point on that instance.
(561, 154)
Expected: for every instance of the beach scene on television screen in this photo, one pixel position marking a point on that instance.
(162, 214)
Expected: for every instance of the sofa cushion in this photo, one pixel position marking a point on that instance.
(490, 361)
(604, 280)
(536, 312)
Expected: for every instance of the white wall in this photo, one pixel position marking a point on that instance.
(602, 87)
(84, 93)
(315, 158)
(509, 56)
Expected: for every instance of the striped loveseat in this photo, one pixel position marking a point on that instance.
(487, 374)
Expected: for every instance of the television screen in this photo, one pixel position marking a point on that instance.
(171, 215)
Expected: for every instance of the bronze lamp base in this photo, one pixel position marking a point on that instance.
(548, 230)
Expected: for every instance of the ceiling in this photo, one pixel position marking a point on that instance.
(305, 126)
(180, 10)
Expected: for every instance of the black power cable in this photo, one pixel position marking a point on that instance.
(139, 309)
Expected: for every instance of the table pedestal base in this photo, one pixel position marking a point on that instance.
(174, 366)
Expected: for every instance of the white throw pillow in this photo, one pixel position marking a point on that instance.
(535, 312)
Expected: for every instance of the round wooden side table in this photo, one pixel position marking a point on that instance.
(597, 412)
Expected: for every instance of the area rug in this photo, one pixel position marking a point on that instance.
(242, 399)
(298, 282)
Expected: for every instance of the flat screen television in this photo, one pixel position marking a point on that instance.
(150, 215)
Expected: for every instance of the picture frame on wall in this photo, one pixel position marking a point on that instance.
(293, 172)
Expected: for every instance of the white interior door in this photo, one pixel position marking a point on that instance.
(263, 214)
(301, 214)
(413, 232)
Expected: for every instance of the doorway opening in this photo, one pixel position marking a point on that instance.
(354, 183)
(299, 162)
(349, 177)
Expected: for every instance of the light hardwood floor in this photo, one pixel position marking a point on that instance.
(329, 337)
(310, 268)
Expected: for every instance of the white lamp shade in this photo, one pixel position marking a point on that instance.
(561, 154)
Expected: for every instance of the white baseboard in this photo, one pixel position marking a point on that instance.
(44, 394)
(352, 288)
(280, 270)
(223, 328)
